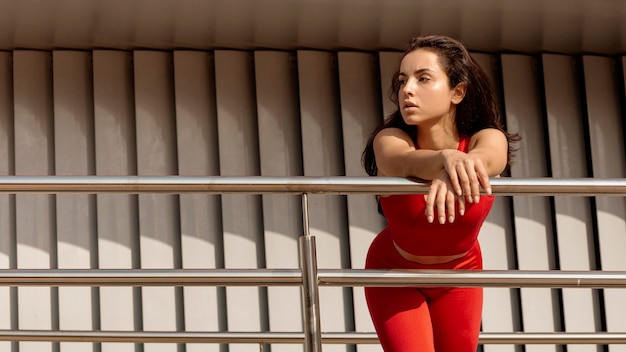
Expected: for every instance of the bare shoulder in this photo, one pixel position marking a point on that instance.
(391, 146)
(393, 135)
(488, 138)
(491, 147)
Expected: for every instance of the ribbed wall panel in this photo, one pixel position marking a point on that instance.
(200, 215)
(278, 113)
(360, 113)
(7, 202)
(242, 218)
(605, 126)
(159, 217)
(534, 238)
(117, 216)
(35, 213)
(322, 153)
(75, 214)
(568, 156)
(389, 64)
(497, 244)
(280, 152)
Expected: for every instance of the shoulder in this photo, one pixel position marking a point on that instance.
(487, 137)
(392, 135)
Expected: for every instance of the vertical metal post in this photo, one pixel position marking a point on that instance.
(310, 287)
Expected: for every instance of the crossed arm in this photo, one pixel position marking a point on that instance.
(456, 177)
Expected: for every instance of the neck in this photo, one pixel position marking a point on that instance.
(438, 136)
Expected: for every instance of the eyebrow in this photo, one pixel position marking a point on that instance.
(417, 72)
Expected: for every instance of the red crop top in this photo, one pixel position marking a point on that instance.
(406, 221)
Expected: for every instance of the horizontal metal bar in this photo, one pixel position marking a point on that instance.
(474, 278)
(292, 337)
(295, 185)
(150, 277)
(555, 338)
(152, 336)
(327, 277)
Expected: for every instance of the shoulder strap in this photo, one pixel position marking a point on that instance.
(464, 144)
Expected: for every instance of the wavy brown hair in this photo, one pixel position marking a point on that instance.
(478, 109)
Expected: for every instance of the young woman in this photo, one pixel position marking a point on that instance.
(447, 130)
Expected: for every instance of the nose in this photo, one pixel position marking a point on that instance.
(408, 89)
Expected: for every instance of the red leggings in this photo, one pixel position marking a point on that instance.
(423, 319)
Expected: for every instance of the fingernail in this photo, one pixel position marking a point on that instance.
(476, 199)
(459, 192)
(429, 218)
(488, 190)
(451, 219)
(462, 212)
(442, 219)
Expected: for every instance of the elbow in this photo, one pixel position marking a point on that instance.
(496, 168)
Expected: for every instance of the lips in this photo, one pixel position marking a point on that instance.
(408, 104)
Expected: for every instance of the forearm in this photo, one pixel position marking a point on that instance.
(491, 150)
(421, 163)
(493, 166)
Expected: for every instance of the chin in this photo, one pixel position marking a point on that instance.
(411, 120)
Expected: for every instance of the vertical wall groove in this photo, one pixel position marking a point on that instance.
(241, 214)
(496, 240)
(117, 216)
(360, 113)
(524, 114)
(567, 150)
(280, 152)
(159, 222)
(201, 226)
(35, 214)
(8, 320)
(75, 214)
(322, 156)
(605, 133)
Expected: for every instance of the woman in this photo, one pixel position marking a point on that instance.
(447, 130)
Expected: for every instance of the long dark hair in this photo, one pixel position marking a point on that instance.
(478, 109)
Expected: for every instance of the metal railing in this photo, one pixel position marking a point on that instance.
(296, 185)
(308, 277)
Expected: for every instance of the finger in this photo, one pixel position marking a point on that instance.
(450, 205)
(440, 204)
(454, 181)
(430, 203)
(461, 202)
(463, 179)
(483, 177)
(473, 180)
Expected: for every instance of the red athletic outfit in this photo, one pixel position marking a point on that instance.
(427, 319)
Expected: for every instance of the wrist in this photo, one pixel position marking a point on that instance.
(444, 157)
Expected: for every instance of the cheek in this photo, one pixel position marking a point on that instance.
(440, 93)
(439, 87)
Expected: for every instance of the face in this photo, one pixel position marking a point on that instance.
(425, 96)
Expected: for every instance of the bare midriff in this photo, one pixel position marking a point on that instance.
(428, 259)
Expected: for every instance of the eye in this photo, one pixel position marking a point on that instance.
(424, 79)
(401, 81)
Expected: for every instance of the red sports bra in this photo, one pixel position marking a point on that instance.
(411, 231)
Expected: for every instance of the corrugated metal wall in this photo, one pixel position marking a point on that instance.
(281, 113)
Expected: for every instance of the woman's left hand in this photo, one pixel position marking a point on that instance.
(467, 174)
(441, 200)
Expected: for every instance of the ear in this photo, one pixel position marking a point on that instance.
(458, 93)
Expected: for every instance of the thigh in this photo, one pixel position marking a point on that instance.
(456, 316)
(401, 318)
